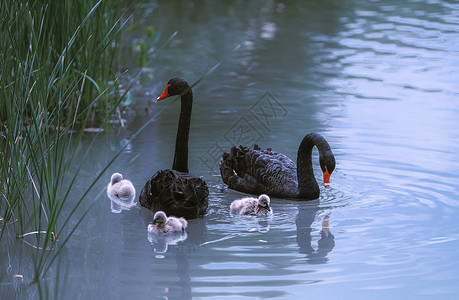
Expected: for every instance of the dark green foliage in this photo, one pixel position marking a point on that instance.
(53, 45)
(54, 76)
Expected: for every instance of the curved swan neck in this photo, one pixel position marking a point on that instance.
(307, 184)
(181, 143)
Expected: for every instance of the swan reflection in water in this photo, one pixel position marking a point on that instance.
(118, 204)
(162, 287)
(256, 223)
(176, 246)
(161, 242)
(326, 243)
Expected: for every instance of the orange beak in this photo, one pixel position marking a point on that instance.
(164, 95)
(326, 178)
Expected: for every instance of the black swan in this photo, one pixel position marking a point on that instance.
(175, 191)
(264, 171)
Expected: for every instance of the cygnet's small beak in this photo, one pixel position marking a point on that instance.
(265, 207)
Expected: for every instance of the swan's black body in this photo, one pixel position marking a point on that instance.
(260, 171)
(175, 191)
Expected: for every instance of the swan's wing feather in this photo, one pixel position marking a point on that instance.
(249, 206)
(176, 193)
(236, 205)
(276, 172)
(259, 171)
(244, 206)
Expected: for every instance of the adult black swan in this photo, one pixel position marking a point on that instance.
(175, 191)
(266, 172)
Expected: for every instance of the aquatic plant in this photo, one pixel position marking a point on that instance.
(54, 45)
(54, 79)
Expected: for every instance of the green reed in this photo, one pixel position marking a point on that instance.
(58, 58)
(49, 35)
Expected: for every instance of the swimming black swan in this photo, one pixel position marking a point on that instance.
(264, 171)
(175, 191)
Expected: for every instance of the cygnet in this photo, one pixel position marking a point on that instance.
(163, 225)
(120, 187)
(252, 206)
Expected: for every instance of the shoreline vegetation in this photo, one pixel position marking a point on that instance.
(57, 77)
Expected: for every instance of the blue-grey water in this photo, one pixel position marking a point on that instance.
(378, 79)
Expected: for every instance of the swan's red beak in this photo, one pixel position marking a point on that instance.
(326, 178)
(164, 95)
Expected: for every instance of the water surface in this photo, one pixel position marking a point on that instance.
(378, 79)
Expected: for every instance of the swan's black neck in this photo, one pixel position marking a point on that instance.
(307, 184)
(181, 143)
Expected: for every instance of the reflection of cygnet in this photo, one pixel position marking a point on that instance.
(252, 206)
(163, 224)
(121, 193)
(160, 242)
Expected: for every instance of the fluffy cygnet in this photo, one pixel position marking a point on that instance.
(163, 224)
(120, 187)
(252, 206)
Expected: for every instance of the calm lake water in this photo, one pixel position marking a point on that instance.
(378, 79)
